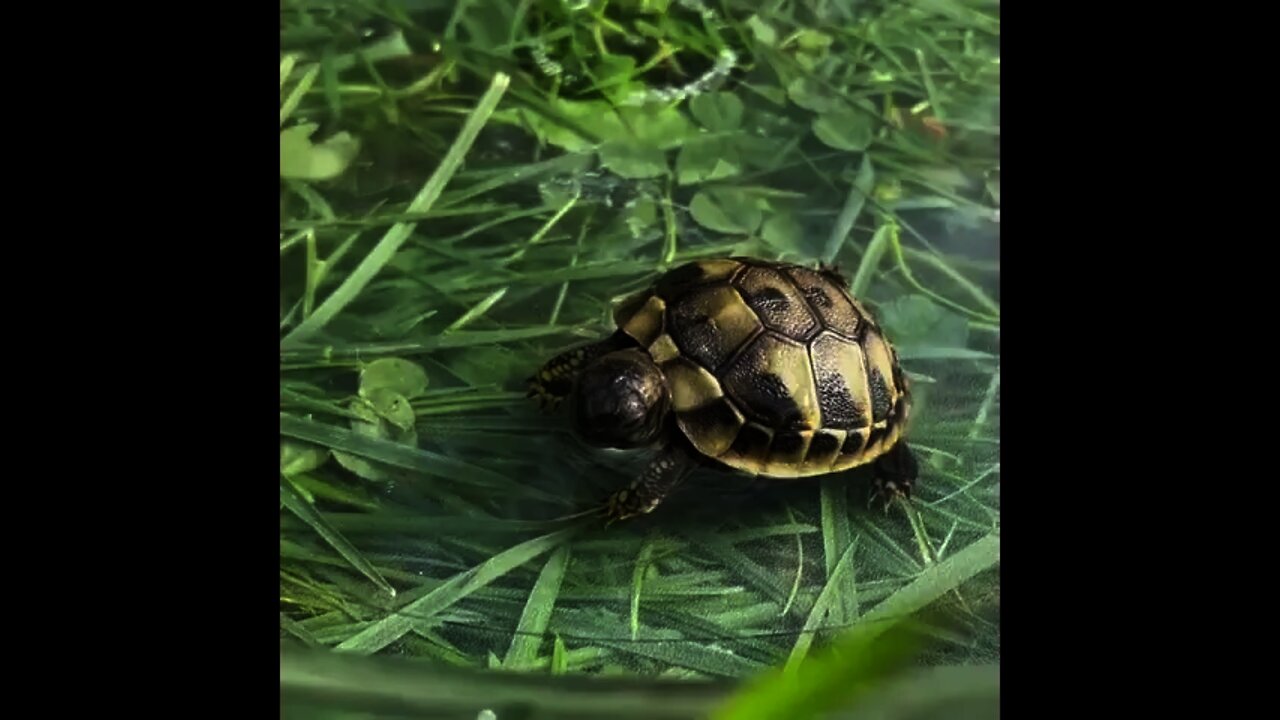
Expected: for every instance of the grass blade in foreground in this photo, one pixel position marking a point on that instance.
(950, 692)
(389, 629)
(821, 608)
(537, 611)
(880, 644)
(391, 687)
(833, 679)
(398, 233)
(936, 581)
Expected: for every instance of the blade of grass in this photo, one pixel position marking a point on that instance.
(398, 233)
(389, 629)
(330, 491)
(855, 666)
(900, 257)
(722, 630)
(546, 228)
(567, 163)
(988, 400)
(559, 657)
(402, 456)
(308, 514)
(935, 581)
(315, 681)
(291, 103)
(853, 204)
(637, 582)
(293, 628)
(942, 353)
(670, 234)
(763, 580)
(475, 311)
(537, 612)
(286, 68)
(827, 602)
(795, 585)
(945, 268)
(452, 341)
(661, 644)
(837, 538)
(925, 544)
(871, 259)
(573, 262)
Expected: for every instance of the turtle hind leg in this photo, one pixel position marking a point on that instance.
(895, 474)
(554, 380)
(671, 465)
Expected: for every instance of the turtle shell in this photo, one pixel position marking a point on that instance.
(774, 369)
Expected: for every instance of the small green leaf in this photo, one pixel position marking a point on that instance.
(726, 210)
(783, 232)
(809, 95)
(297, 458)
(844, 129)
(392, 407)
(395, 374)
(916, 321)
(718, 111)
(614, 77)
(632, 160)
(762, 30)
(658, 125)
(706, 160)
(654, 125)
(764, 152)
(614, 68)
(301, 160)
(772, 93)
(371, 424)
(813, 46)
(813, 40)
(640, 216)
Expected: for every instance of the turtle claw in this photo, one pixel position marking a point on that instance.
(888, 491)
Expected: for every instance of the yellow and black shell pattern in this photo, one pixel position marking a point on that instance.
(774, 369)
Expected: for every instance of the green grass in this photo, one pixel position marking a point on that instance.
(466, 190)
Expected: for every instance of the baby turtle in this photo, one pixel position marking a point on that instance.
(767, 368)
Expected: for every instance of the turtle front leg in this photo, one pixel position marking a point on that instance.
(554, 380)
(895, 474)
(671, 465)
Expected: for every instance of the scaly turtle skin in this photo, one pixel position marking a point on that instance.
(770, 369)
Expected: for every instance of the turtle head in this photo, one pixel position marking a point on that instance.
(621, 400)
